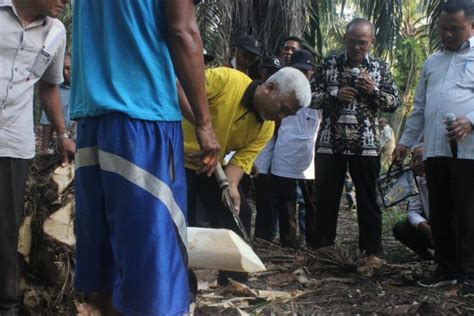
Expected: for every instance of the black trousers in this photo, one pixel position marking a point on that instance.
(207, 191)
(308, 189)
(285, 206)
(13, 174)
(204, 192)
(413, 238)
(276, 196)
(264, 202)
(330, 172)
(451, 196)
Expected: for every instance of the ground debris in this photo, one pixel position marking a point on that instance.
(333, 280)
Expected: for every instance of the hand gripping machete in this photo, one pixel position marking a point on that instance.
(224, 185)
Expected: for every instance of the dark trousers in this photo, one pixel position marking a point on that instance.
(285, 206)
(206, 190)
(308, 189)
(276, 196)
(264, 202)
(451, 196)
(414, 239)
(330, 173)
(13, 173)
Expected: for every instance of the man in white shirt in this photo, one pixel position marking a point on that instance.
(292, 163)
(446, 87)
(31, 51)
(415, 231)
(387, 143)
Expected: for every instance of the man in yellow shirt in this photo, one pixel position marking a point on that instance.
(242, 112)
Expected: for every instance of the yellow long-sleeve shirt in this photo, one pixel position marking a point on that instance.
(236, 126)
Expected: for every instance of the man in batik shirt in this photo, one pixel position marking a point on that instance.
(351, 89)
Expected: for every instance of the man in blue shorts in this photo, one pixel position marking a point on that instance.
(130, 181)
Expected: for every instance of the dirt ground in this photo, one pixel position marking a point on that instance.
(333, 281)
(328, 281)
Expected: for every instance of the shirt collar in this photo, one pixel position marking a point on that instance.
(9, 3)
(6, 3)
(248, 98)
(366, 58)
(468, 44)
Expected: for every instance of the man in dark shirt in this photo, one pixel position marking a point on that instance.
(351, 89)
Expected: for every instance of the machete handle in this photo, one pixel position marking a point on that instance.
(221, 177)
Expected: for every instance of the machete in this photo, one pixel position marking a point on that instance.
(227, 199)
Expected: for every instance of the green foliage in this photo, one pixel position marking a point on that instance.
(66, 18)
(411, 51)
(392, 216)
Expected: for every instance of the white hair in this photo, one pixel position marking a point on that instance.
(290, 80)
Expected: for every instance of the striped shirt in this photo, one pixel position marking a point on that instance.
(446, 86)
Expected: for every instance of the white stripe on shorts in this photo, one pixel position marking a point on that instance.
(91, 156)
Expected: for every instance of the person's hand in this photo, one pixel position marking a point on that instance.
(346, 94)
(208, 156)
(459, 129)
(425, 228)
(365, 84)
(235, 196)
(67, 149)
(399, 154)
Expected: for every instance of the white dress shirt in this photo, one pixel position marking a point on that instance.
(418, 205)
(293, 155)
(263, 161)
(446, 86)
(27, 54)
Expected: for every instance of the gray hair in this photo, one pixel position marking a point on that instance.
(289, 80)
(360, 21)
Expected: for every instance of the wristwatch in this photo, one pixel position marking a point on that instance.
(63, 137)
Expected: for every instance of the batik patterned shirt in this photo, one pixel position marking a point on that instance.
(351, 128)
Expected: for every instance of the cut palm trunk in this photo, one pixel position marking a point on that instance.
(47, 239)
(47, 233)
(221, 249)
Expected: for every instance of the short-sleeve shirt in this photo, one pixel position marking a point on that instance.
(293, 155)
(65, 94)
(27, 54)
(121, 62)
(237, 126)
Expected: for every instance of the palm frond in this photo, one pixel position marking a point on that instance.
(432, 8)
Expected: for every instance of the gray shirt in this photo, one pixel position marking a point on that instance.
(387, 139)
(27, 54)
(418, 205)
(446, 86)
(65, 94)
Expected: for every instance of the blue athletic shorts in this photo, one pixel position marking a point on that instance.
(131, 214)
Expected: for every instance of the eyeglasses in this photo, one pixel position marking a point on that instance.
(360, 43)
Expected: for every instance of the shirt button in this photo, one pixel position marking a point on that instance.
(21, 48)
(16, 69)
(11, 87)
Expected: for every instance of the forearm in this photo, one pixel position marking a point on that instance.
(234, 174)
(51, 103)
(184, 42)
(184, 104)
(414, 127)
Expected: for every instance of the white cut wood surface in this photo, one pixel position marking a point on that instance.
(60, 225)
(63, 176)
(221, 249)
(24, 238)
